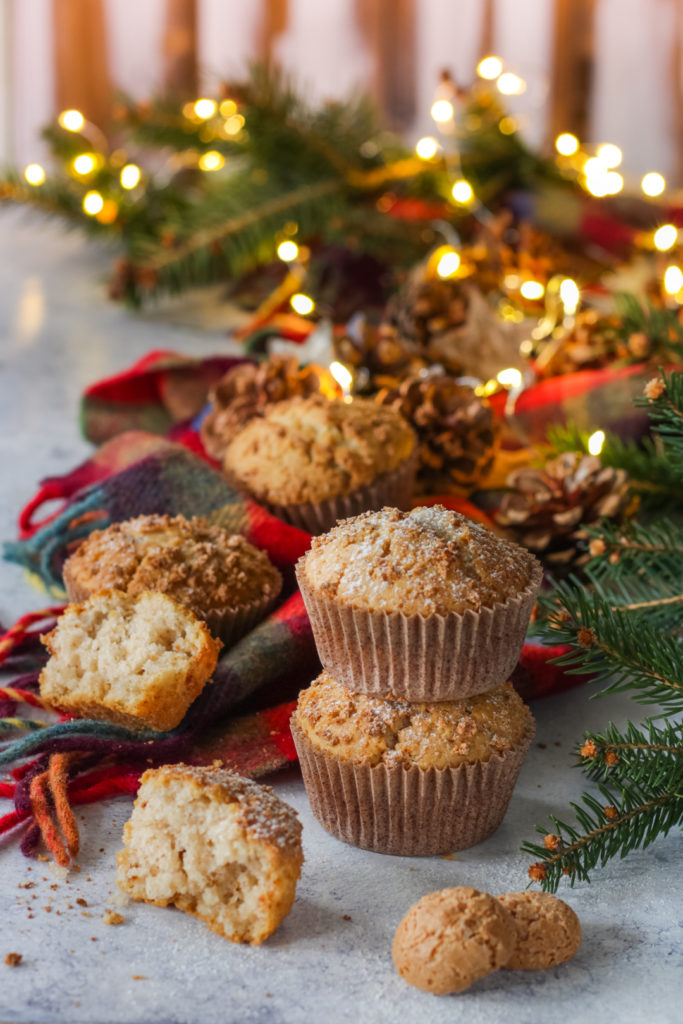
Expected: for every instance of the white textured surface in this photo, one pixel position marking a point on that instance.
(57, 333)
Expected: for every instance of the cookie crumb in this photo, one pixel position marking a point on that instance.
(112, 917)
(448, 856)
(13, 959)
(346, 917)
(139, 977)
(81, 902)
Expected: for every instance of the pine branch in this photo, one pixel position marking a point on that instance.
(664, 402)
(660, 325)
(652, 756)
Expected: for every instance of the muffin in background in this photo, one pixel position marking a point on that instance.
(432, 605)
(412, 779)
(221, 577)
(312, 461)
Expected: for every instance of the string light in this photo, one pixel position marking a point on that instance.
(566, 144)
(93, 203)
(532, 290)
(653, 183)
(570, 296)
(234, 124)
(205, 108)
(130, 176)
(442, 111)
(108, 213)
(613, 183)
(84, 164)
(227, 108)
(448, 264)
(462, 191)
(302, 304)
(212, 160)
(427, 147)
(34, 174)
(665, 237)
(609, 155)
(596, 441)
(489, 67)
(343, 377)
(507, 126)
(509, 378)
(288, 251)
(71, 120)
(673, 280)
(510, 84)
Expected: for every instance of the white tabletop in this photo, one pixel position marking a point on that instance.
(330, 960)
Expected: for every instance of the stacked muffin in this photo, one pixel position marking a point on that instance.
(411, 740)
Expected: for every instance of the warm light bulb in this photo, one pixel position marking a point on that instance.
(234, 124)
(212, 160)
(427, 147)
(342, 375)
(205, 108)
(653, 184)
(302, 304)
(130, 175)
(566, 144)
(596, 441)
(673, 280)
(448, 264)
(34, 174)
(665, 237)
(510, 378)
(609, 155)
(613, 183)
(227, 108)
(510, 84)
(72, 120)
(489, 67)
(462, 191)
(570, 296)
(532, 290)
(93, 203)
(442, 111)
(84, 164)
(288, 251)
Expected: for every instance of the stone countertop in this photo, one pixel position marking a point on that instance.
(330, 960)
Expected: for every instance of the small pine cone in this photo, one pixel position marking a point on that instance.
(548, 508)
(431, 314)
(246, 391)
(385, 357)
(456, 430)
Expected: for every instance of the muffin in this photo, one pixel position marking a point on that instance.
(221, 577)
(215, 845)
(410, 778)
(312, 461)
(432, 605)
(136, 660)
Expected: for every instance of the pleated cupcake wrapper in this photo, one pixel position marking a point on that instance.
(410, 812)
(394, 489)
(414, 657)
(228, 624)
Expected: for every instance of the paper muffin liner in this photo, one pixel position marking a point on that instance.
(394, 489)
(415, 657)
(410, 812)
(228, 624)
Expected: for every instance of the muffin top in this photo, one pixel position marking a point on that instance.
(201, 566)
(396, 733)
(311, 449)
(425, 562)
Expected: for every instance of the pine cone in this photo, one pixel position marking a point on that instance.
(430, 314)
(246, 390)
(456, 431)
(549, 507)
(381, 353)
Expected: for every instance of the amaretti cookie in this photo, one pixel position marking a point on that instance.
(220, 576)
(410, 778)
(215, 845)
(426, 605)
(548, 930)
(137, 660)
(312, 461)
(451, 938)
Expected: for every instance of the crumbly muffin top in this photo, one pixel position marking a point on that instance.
(201, 566)
(264, 815)
(428, 561)
(373, 730)
(311, 449)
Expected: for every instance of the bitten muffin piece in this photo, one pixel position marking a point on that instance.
(138, 660)
(218, 575)
(451, 938)
(548, 930)
(397, 733)
(215, 845)
(425, 562)
(312, 449)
